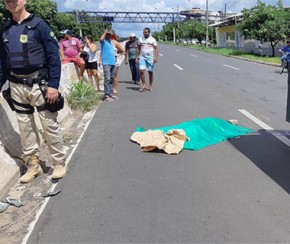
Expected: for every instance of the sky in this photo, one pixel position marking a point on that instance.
(124, 29)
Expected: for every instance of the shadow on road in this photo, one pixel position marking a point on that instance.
(268, 153)
(125, 82)
(133, 88)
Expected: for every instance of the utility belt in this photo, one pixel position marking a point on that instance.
(37, 77)
(28, 79)
(25, 81)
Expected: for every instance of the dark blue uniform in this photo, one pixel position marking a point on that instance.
(40, 48)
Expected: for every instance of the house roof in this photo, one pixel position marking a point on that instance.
(229, 20)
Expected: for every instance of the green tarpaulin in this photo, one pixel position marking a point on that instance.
(205, 132)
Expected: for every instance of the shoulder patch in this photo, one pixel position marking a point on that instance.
(51, 33)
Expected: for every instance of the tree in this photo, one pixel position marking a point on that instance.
(4, 14)
(94, 29)
(167, 31)
(64, 21)
(265, 23)
(192, 29)
(45, 9)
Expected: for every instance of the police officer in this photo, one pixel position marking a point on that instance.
(30, 62)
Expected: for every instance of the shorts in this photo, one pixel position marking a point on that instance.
(92, 65)
(76, 60)
(146, 64)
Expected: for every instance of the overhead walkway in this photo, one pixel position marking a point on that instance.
(127, 17)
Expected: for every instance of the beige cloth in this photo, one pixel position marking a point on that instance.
(172, 142)
(27, 127)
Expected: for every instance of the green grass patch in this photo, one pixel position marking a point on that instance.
(83, 96)
(237, 53)
(232, 52)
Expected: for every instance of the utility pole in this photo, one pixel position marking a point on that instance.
(206, 35)
(173, 29)
(174, 40)
(78, 22)
(177, 8)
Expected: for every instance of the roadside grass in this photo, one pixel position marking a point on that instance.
(234, 53)
(83, 96)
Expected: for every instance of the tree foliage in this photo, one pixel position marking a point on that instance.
(167, 32)
(47, 10)
(265, 23)
(190, 29)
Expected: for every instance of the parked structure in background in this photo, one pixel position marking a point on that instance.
(228, 36)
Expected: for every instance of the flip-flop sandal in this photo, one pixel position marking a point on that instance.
(51, 193)
(142, 89)
(14, 202)
(3, 206)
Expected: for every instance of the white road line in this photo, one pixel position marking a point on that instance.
(193, 55)
(255, 119)
(178, 67)
(231, 67)
(161, 54)
(271, 130)
(45, 202)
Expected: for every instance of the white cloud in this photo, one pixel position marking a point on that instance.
(123, 29)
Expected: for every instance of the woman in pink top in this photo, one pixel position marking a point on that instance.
(70, 51)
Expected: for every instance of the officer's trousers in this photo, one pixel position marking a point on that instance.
(29, 133)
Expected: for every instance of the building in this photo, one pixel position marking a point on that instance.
(200, 14)
(228, 36)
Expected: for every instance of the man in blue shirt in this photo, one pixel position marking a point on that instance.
(285, 59)
(109, 50)
(285, 48)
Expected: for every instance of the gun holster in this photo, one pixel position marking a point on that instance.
(51, 107)
(57, 105)
(7, 96)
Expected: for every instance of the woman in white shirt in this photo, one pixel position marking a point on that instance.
(92, 62)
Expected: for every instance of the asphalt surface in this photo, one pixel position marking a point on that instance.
(236, 191)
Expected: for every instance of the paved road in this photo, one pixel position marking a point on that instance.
(235, 191)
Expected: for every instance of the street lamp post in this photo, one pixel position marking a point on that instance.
(158, 25)
(174, 29)
(177, 8)
(78, 22)
(206, 35)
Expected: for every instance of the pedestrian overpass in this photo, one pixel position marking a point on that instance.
(127, 17)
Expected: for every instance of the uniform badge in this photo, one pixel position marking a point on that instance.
(23, 38)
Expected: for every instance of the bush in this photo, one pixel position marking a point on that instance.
(83, 96)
